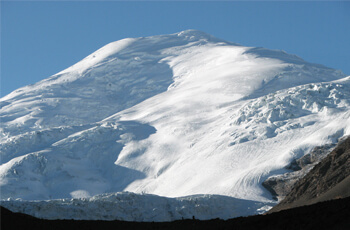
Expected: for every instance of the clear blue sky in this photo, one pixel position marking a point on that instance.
(39, 39)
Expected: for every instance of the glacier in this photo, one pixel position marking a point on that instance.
(129, 206)
(171, 115)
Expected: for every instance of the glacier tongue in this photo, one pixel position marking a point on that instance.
(171, 115)
(136, 207)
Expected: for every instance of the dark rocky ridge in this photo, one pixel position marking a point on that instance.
(280, 185)
(329, 179)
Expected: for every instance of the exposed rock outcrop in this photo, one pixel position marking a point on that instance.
(329, 179)
(280, 185)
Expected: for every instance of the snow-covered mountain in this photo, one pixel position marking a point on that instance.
(171, 115)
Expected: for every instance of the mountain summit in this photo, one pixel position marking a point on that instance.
(171, 115)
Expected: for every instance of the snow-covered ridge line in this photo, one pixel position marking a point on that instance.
(138, 207)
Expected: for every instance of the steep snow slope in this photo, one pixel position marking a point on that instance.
(232, 148)
(172, 115)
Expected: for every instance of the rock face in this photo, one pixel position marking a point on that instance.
(330, 179)
(280, 185)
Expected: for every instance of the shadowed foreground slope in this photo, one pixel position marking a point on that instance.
(325, 215)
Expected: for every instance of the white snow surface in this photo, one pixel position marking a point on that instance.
(171, 115)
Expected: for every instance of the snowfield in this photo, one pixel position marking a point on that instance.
(171, 115)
